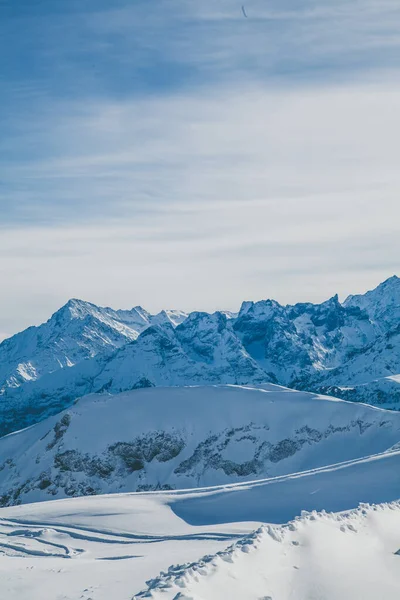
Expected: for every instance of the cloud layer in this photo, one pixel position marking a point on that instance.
(185, 156)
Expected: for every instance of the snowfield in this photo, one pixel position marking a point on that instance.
(97, 548)
(138, 546)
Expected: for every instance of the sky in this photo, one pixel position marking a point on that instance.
(176, 154)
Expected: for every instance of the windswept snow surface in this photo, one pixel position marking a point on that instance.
(110, 546)
(165, 438)
(318, 556)
(97, 548)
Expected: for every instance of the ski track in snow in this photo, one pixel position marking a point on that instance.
(31, 554)
(298, 560)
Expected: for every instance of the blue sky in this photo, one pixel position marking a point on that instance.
(176, 154)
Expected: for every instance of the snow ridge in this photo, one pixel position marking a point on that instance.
(180, 581)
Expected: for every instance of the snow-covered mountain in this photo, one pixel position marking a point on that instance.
(165, 438)
(350, 350)
(78, 331)
(369, 373)
(296, 342)
(202, 350)
(381, 304)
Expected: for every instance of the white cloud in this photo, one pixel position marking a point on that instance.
(201, 200)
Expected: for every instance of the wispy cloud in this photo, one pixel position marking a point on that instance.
(118, 159)
(180, 154)
(202, 201)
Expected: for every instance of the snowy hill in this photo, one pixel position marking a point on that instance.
(169, 438)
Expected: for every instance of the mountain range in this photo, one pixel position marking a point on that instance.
(350, 350)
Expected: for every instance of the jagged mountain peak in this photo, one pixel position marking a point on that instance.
(174, 317)
(393, 280)
(157, 330)
(331, 304)
(389, 287)
(333, 301)
(261, 308)
(74, 309)
(80, 309)
(382, 304)
(77, 331)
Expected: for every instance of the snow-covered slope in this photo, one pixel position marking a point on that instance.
(159, 438)
(316, 556)
(97, 548)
